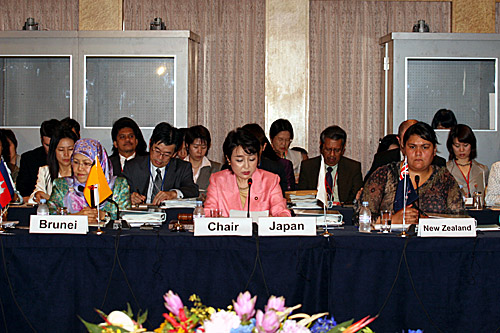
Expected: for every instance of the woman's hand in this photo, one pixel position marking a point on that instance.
(41, 195)
(411, 216)
(91, 213)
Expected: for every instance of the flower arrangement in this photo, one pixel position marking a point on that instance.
(240, 317)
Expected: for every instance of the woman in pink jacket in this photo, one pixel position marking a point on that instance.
(228, 189)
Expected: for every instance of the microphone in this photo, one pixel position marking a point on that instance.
(248, 197)
(81, 188)
(417, 203)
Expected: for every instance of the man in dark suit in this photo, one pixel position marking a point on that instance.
(159, 176)
(394, 155)
(342, 178)
(32, 160)
(128, 142)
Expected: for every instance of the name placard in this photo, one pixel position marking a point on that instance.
(222, 226)
(454, 227)
(287, 226)
(59, 224)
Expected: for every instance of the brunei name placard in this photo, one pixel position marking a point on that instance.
(287, 226)
(59, 224)
(222, 226)
(447, 227)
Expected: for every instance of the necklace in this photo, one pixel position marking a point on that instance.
(466, 164)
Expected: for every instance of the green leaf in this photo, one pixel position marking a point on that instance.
(343, 326)
(141, 318)
(92, 328)
(129, 311)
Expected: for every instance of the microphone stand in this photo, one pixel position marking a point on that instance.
(254, 226)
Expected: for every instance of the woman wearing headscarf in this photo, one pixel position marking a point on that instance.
(68, 191)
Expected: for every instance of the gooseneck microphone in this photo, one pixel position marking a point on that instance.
(81, 188)
(248, 197)
(417, 180)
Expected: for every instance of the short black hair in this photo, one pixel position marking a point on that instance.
(445, 118)
(280, 125)
(71, 124)
(60, 133)
(300, 150)
(5, 147)
(334, 133)
(126, 122)
(198, 132)
(10, 135)
(463, 134)
(259, 133)
(166, 134)
(243, 138)
(386, 142)
(422, 130)
(48, 127)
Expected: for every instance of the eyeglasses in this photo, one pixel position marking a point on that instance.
(159, 153)
(285, 141)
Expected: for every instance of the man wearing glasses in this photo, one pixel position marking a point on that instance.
(159, 176)
(340, 176)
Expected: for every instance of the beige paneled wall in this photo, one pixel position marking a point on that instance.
(346, 65)
(51, 14)
(231, 57)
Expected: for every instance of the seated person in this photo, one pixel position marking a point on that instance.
(229, 189)
(396, 155)
(10, 156)
(493, 192)
(160, 176)
(470, 175)
(281, 134)
(198, 142)
(341, 176)
(127, 143)
(32, 160)
(443, 119)
(4, 145)
(269, 161)
(182, 152)
(58, 163)
(437, 189)
(68, 191)
(302, 151)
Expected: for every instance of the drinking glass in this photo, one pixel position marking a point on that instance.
(215, 212)
(385, 220)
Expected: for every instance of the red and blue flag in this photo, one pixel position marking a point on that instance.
(6, 188)
(404, 180)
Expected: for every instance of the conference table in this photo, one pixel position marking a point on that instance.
(434, 284)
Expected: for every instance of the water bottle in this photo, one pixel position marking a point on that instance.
(42, 209)
(365, 218)
(199, 211)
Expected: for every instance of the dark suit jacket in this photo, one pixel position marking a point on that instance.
(205, 173)
(179, 176)
(394, 155)
(117, 167)
(31, 161)
(349, 178)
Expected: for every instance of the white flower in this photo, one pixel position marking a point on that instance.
(120, 319)
(222, 322)
(291, 326)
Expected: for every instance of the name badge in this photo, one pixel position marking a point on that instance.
(59, 224)
(459, 227)
(287, 226)
(222, 226)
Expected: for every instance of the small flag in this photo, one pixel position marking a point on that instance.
(411, 195)
(6, 188)
(96, 177)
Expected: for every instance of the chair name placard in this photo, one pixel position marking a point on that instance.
(451, 227)
(59, 224)
(222, 226)
(287, 226)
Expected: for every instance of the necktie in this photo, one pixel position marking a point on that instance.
(157, 184)
(329, 181)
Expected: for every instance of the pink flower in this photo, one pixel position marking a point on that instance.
(173, 302)
(291, 326)
(267, 322)
(245, 306)
(221, 322)
(276, 304)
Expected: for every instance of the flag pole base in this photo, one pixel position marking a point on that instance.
(403, 234)
(326, 233)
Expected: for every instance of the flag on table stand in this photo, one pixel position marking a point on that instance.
(411, 195)
(96, 177)
(322, 194)
(6, 188)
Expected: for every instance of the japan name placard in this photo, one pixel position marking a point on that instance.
(447, 227)
(287, 226)
(222, 226)
(59, 224)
